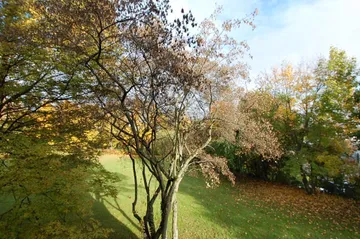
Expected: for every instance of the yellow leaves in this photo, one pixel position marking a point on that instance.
(283, 76)
(19, 15)
(331, 162)
(340, 146)
(91, 134)
(285, 114)
(288, 71)
(34, 13)
(65, 126)
(47, 125)
(51, 142)
(29, 21)
(43, 114)
(75, 139)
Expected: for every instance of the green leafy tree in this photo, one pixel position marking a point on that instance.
(316, 111)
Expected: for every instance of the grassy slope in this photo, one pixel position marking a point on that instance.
(227, 212)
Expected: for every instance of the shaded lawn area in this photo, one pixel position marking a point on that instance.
(119, 229)
(251, 209)
(100, 212)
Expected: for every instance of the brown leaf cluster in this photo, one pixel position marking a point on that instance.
(212, 166)
(242, 121)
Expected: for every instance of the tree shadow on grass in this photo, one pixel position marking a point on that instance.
(114, 204)
(107, 220)
(123, 185)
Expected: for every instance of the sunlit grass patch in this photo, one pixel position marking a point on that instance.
(243, 211)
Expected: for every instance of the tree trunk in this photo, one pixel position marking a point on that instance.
(175, 208)
(169, 204)
(174, 221)
(166, 214)
(307, 186)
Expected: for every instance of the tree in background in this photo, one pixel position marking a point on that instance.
(315, 115)
(245, 129)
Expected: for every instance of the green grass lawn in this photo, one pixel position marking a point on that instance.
(223, 212)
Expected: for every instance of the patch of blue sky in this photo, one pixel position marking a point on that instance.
(288, 30)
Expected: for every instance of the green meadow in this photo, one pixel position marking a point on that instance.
(242, 211)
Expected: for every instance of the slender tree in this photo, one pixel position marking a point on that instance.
(153, 90)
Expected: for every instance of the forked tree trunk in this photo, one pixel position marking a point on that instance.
(169, 204)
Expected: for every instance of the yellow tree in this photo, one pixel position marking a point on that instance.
(46, 175)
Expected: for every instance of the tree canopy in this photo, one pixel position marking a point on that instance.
(76, 75)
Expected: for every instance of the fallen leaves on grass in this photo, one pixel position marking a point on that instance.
(342, 213)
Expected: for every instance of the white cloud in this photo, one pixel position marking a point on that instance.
(304, 31)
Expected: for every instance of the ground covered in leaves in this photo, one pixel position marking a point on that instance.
(340, 213)
(251, 209)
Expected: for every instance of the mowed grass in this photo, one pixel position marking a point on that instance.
(244, 211)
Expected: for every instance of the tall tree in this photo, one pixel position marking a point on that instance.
(150, 86)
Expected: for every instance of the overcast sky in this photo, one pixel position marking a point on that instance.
(288, 30)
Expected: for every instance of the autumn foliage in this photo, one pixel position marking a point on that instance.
(80, 76)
